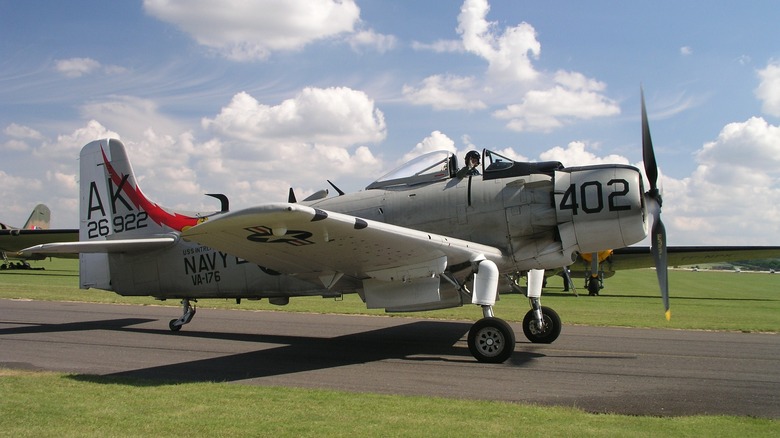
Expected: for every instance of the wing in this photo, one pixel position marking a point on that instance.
(314, 243)
(16, 240)
(639, 257)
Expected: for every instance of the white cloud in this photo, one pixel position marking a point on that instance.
(77, 67)
(444, 93)
(66, 182)
(67, 146)
(20, 135)
(547, 101)
(130, 115)
(245, 31)
(768, 90)
(686, 51)
(575, 154)
(753, 144)
(300, 142)
(574, 97)
(19, 194)
(733, 196)
(509, 53)
(14, 146)
(371, 40)
(333, 116)
(436, 141)
(20, 131)
(440, 46)
(52, 180)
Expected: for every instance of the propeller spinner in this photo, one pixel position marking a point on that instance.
(653, 196)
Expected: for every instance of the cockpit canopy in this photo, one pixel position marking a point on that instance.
(442, 165)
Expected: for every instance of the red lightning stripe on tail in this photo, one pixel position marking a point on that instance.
(176, 221)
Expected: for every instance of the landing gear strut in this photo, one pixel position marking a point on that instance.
(188, 312)
(490, 339)
(541, 324)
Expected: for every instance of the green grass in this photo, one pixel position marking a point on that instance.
(51, 404)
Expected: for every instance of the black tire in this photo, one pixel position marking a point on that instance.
(551, 330)
(173, 327)
(593, 287)
(491, 340)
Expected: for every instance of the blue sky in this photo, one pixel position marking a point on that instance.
(249, 100)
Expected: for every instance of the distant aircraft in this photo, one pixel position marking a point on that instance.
(34, 232)
(418, 238)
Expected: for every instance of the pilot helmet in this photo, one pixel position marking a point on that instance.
(470, 155)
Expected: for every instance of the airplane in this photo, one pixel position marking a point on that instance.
(418, 238)
(34, 232)
(595, 267)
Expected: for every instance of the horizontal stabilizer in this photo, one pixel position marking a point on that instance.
(101, 246)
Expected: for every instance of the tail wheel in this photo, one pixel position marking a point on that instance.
(550, 330)
(173, 326)
(491, 340)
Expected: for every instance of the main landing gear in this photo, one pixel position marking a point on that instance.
(492, 340)
(188, 312)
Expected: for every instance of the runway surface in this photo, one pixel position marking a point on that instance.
(618, 370)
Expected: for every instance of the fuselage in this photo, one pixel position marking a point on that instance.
(536, 215)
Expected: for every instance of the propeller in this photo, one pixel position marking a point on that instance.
(653, 196)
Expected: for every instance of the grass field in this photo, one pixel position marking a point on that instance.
(51, 404)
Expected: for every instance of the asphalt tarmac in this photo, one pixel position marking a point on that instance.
(605, 370)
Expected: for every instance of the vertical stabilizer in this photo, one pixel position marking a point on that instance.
(39, 218)
(112, 206)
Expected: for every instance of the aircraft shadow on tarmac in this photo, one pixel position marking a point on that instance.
(416, 341)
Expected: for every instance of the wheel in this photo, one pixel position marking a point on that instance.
(593, 286)
(491, 340)
(174, 327)
(551, 330)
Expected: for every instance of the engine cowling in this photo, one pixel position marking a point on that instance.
(600, 207)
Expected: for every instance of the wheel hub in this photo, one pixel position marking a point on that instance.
(489, 341)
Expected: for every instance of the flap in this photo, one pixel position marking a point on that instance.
(426, 269)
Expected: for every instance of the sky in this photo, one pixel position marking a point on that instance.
(250, 98)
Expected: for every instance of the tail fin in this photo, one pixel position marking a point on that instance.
(111, 201)
(113, 207)
(39, 218)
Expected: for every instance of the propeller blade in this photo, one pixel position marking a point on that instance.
(658, 232)
(648, 155)
(658, 248)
